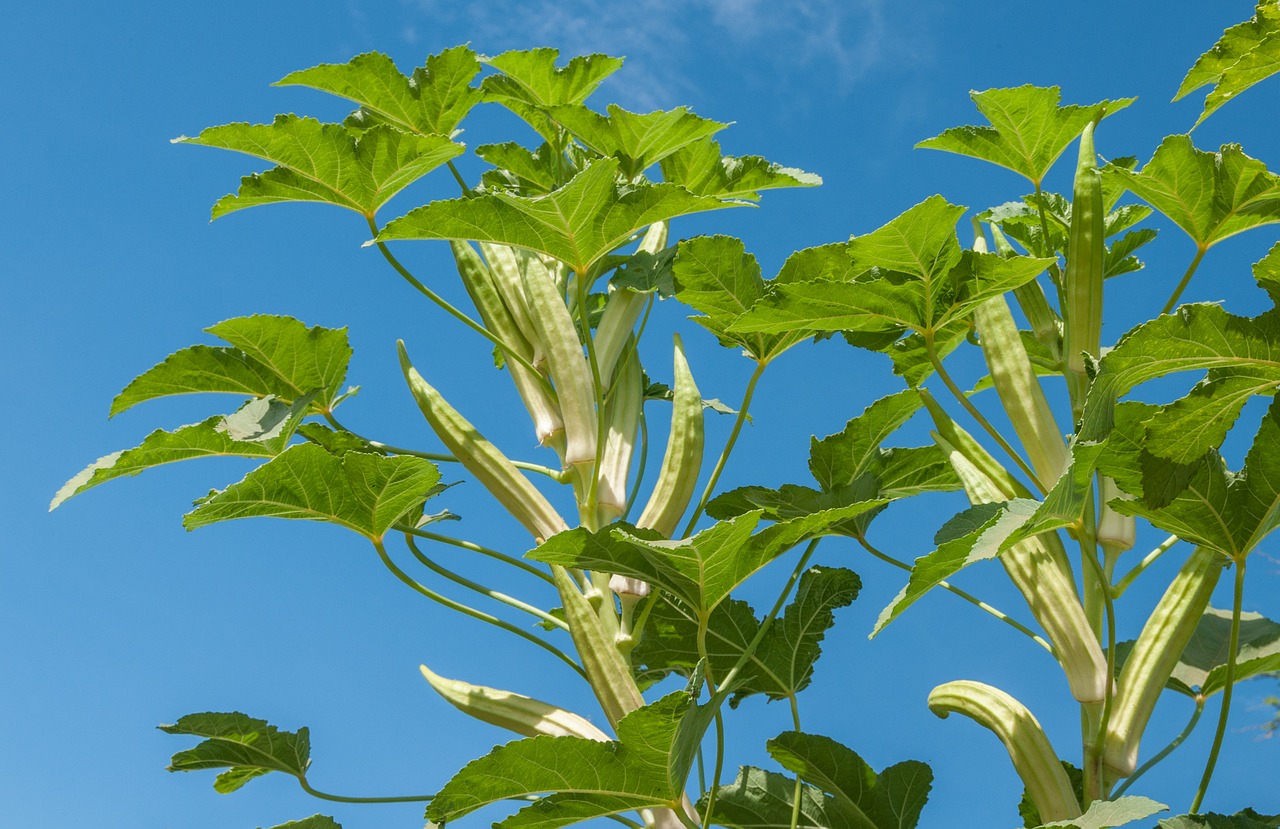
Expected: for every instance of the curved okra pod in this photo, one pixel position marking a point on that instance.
(1085, 265)
(506, 265)
(683, 459)
(1038, 567)
(607, 670)
(1155, 654)
(1031, 299)
(566, 363)
(478, 278)
(1033, 757)
(622, 417)
(482, 459)
(622, 309)
(515, 712)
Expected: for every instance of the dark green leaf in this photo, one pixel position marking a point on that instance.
(1209, 195)
(647, 272)
(700, 169)
(433, 101)
(577, 224)
(840, 459)
(1245, 54)
(244, 746)
(269, 356)
(890, 800)
(336, 442)
(325, 163)
(1204, 661)
(760, 799)
(792, 646)
(1028, 130)
(365, 493)
(670, 642)
(637, 141)
(1248, 819)
(1027, 807)
(261, 429)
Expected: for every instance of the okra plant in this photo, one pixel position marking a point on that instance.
(564, 246)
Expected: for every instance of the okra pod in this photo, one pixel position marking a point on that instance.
(515, 712)
(482, 459)
(1031, 299)
(607, 670)
(622, 416)
(1033, 756)
(1155, 654)
(683, 459)
(508, 278)
(1085, 265)
(623, 307)
(1116, 532)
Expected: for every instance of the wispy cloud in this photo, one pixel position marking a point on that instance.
(669, 42)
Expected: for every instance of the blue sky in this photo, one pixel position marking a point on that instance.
(114, 619)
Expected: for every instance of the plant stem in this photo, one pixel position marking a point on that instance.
(457, 176)
(472, 612)
(449, 308)
(1164, 752)
(968, 597)
(981, 419)
(728, 446)
(475, 548)
(580, 282)
(1186, 278)
(337, 798)
(1118, 590)
(798, 790)
(1095, 785)
(644, 459)
(497, 596)
(557, 475)
(1233, 646)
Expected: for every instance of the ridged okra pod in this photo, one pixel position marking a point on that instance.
(622, 419)
(606, 668)
(1031, 299)
(479, 280)
(623, 307)
(682, 461)
(507, 266)
(1086, 254)
(1033, 756)
(1155, 654)
(482, 459)
(1038, 567)
(566, 362)
(515, 712)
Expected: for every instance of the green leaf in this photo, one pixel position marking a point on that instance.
(670, 642)
(531, 83)
(1204, 661)
(1248, 819)
(244, 746)
(842, 458)
(521, 171)
(791, 648)
(637, 141)
(313, 822)
(1245, 54)
(1211, 196)
(1028, 129)
(646, 273)
(1105, 814)
(260, 429)
(325, 163)
(700, 169)
(913, 276)
(577, 224)
(336, 442)
(365, 493)
(645, 767)
(760, 799)
(892, 799)
(431, 102)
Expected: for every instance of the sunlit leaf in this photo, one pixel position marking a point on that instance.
(1245, 54)
(433, 101)
(325, 163)
(261, 429)
(701, 169)
(637, 141)
(365, 493)
(530, 83)
(1105, 814)
(577, 224)
(244, 746)
(1028, 129)
(313, 822)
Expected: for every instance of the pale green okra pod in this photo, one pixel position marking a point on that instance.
(515, 712)
(622, 416)
(622, 309)
(683, 459)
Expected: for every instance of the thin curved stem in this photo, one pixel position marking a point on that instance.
(510, 601)
(448, 307)
(1094, 778)
(968, 597)
(472, 612)
(1164, 752)
(457, 176)
(475, 548)
(728, 446)
(644, 460)
(337, 798)
(1233, 647)
(981, 418)
(798, 790)
(1150, 558)
(1186, 279)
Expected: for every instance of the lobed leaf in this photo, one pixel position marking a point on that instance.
(1245, 54)
(760, 799)
(530, 83)
(1248, 819)
(363, 492)
(1203, 664)
(325, 162)
(244, 746)
(1105, 814)
(270, 356)
(700, 169)
(637, 141)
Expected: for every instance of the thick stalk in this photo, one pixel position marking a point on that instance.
(1233, 653)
